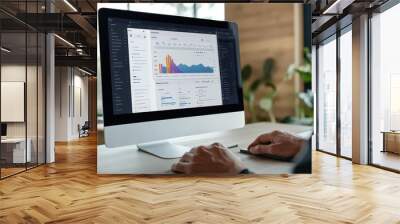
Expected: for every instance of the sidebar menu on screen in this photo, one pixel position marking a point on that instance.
(120, 77)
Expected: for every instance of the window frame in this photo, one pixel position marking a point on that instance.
(380, 9)
(332, 37)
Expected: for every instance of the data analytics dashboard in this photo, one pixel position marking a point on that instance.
(169, 66)
(173, 70)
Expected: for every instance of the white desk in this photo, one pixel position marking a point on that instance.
(128, 160)
(18, 151)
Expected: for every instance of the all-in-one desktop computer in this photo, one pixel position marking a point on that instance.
(165, 77)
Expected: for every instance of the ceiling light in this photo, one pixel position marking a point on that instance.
(84, 71)
(5, 50)
(338, 6)
(65, 41)
(70, 5)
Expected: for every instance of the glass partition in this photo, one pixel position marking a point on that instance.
(22, 77)
(14, 144)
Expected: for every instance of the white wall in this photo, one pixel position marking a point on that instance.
(70, 83)
(62, 81)
(79, 117)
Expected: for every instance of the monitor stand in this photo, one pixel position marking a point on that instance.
(164, 150)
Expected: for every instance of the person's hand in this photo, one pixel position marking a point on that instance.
(212, 159)
(276, 143)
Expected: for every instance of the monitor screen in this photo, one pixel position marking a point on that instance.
(174, 64)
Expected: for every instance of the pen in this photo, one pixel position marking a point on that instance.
(245, 151)
(233, 146)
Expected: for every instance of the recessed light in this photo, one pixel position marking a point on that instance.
(64, 40)
(337, 7)
(5, 50)
(84, 71)
(70, 5)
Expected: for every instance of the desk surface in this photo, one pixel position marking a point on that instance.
(391, 132)
(128, 160)
(13, 140)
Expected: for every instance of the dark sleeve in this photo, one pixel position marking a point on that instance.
(303, 159)
(246, 171)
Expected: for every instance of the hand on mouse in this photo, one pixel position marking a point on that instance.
(212, 159)
(276, 143)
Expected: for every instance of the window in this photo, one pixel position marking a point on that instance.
(346, 93)
(326, 91)
(385, 88)
(334, 93)
(215, 11)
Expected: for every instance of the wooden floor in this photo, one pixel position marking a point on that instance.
(70, 191)
(5, 172)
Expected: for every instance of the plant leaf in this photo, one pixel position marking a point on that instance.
(291, 71)
(304, 73)
(246, 95)
(307, 56)
(254, 86)
(307, 98)
(265, 103)
(272, 85)
(246, 72)
(268, 67)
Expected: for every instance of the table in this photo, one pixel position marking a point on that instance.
(391, 141)
(128, 160)
(19, 155)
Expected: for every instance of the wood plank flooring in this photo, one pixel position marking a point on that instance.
(70, 191)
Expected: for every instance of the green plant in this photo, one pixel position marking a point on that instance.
(265, 79)
(304, 70)
(306, 97)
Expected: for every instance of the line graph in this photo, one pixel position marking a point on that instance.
(171, 67)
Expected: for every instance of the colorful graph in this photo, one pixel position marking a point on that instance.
(171, 67)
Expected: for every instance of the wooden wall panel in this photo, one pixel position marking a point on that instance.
(267, 30)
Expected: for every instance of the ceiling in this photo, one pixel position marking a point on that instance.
(73, 21)
(329, 15)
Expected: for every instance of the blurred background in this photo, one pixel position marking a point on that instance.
(49, 69)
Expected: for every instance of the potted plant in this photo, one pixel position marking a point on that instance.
(306, 97)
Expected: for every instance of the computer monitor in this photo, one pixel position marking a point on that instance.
(3, 130)
(167, 76)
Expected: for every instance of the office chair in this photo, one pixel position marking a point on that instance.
(84, 130)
